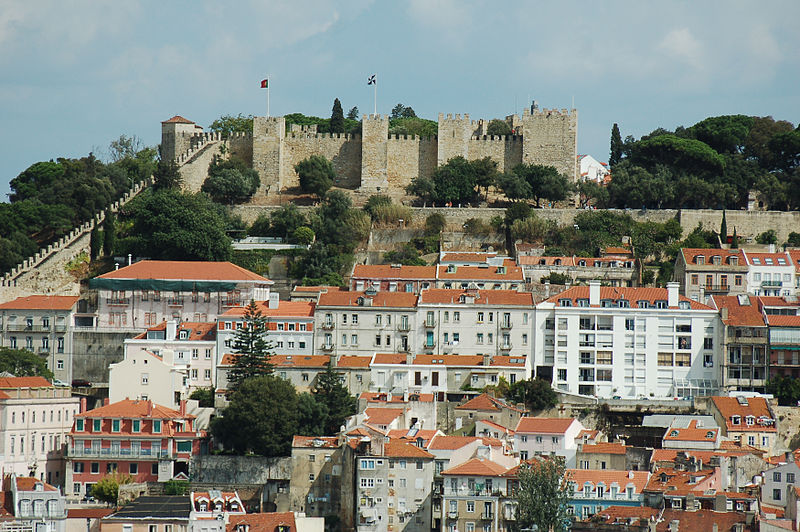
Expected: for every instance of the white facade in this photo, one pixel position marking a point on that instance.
(628, 342)
(770, 274)
(547, 436)
(592, 169)
(35, 419)
(778, 481)
(143, 375)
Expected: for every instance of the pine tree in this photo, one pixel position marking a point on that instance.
(616, 146)
(337, 117)
(331, 392)
(723, 230)
(109, 233)
(253, 351)
(352, 114)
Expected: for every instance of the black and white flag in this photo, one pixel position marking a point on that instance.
(372, 80)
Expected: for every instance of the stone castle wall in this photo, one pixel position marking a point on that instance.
(344, 152)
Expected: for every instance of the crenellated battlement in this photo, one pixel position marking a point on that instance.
(309, 135)
(550, 113)
(413, 138)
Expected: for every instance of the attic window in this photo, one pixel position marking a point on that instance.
(768, 261)
(642, 303)
(674, 434)
(750, 420)
(781, 261)
(710, 434)
(564, 302)
(542, 262)
(623, 303)
(183, 335)
(736, 420)
(733, 260)
(583, 302)
(581, 263)
(451, 268)
(756, 260)
(700, 259)
(716, 259)
(683, 305)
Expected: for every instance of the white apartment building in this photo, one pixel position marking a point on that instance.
(628, 342)
(35, 419)
(151, 291)
(541, 436)
(475, 322)
(363, 322)
(143, 375)
(41, 324)
(770, 274)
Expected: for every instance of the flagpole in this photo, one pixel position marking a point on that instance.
(375, 99)
(268, 96)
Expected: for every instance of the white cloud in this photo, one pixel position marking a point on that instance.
(680, 44)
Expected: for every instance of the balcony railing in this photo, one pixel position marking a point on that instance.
(118, 300)
(175, 302)
(21, 327)
(327, 325)
(107, 452)
(429, 344)
(716, 287)
(327, 347)
(771, 283)
(231, 302)
(505, 346)
(430, 323)
(487, 516)
(505, 325)
(404, 327)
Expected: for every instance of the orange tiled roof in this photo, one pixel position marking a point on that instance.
(389, 358)
(134, 408)
(24, 382)
(286, 309)
(669, 455)
(704, 520)
(477, 273)
(408, 435)
(773, 256)
(184, 270)
(177, 119)
(478, 467)
(496, 425)
(383, 397)
(674, 482)
(329, 442)
(449, 360)
(623, 513)
(632, 294)
(544, 425)
(387, 271)
(487, 403)
(300, 361)
(794, 254)
(604, 448)
(740, 315)
(451, 442)
(41, 303)
(228, 359)
(382, 416)
(507, 360)
(592, 434)
(691, 433)
(200, 330)
(776, 301)
(263, 522)
(609, 476)
(482, 297)
(88, 513)
(779, 320)
(353, 361)
(402, 449)
(380, 299)
(757, 407)
(689, 255)
(28, 484)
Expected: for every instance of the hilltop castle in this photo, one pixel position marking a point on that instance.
(374, 161)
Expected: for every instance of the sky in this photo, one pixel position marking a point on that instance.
(76, 75)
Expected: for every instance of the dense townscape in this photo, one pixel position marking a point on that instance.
(366, 357)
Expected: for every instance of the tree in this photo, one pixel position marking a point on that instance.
(556, 278)
(591, 192)
(303, 236)
(228, 124)
(517, 211)
(312, 415)
(95, 242)
(485, 173)
(109, 233)
(401, 111)
(543, 495)
(536, 394)
(725, 134)
(793, 240)
(176, 487)
(316, 175)
(455, 181)
(785, 388)
(545, 182)
(435, 224)
(285, 221)
(22, 363)
(723, 229)
(251, 348)
(336, 125)
(124, 147)
(107, 488)
(230, 181)
(498, 127)
(352, 114)
(261, 417)
(167, 175)
(616, 146)
(735, 240)
(204, 396)
(331, 392)
(514, 186)
(767, 237)
(375, 201)
(408, 255)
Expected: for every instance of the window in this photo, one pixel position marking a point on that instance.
(95, 468)
(470, 506)
(145, 378)
(156, 426)
(78, 424)
(562, 374)
(776, 494)
(665, 359)
(790, 478)
(115, 425)
(133, 468)
(456, 316)
(97, 424)
(137, 425)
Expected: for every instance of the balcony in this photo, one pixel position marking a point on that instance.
(430, 323)
(328, 325)
(25, 328)
(723, 288)
(771, 283)
(175, 302)
(404, 327)
(118, 301)
(107, 452)
(429, 344)
(231, 302)
(505, 325)
(60, 328)
(505, 347)
(327, 347)
(487, 516)
(452, 515)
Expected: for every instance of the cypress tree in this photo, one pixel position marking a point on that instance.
(723, 229)
(95, 242)
(616, 146)
(109, 233)
(337, 117)
(734, 240)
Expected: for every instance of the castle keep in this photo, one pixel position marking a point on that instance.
(374, 161)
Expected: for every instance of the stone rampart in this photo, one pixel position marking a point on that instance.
(344, 152)
(220, 470)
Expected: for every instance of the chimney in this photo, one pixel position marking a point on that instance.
(672, 294)
(183, 407)
(724, 313)
(594, 292)
(546, 289)
(129, 259)
(701, 297)
(772, 248)
(673, 525)
(149, 408)
(83, 404)
(409, 358)
(274, 300)
(172, 330)
(690, 502)
(789, 457)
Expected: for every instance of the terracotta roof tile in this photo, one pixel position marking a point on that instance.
(467, 256)
(389, 358)
(263, 522)
(449, 360)
(544, 425)
(477, 273)
(632, 294)
(402, 449)
(382, 416)
(794, 254)
(134, 408)
(674, 482)
(478, 467)
(507, 360)
(775, 301)
(451, 442)
(387, 271)
(496, 425)
(412, 435)
(692, 433)
(286, 309)
(88, 513)
(379, 300)
(24, 382)
(757, 407)
(300, 361)
(28, 484)
(41, 303)
(353, 361)
(609, 476)
(452, 296)
(390, 398)
(484, 402)
(704, 520)
(605, 448)
(740, 315)
(779, 320)
(329, 442)
(184, 270)
(177, 119)
(689, 255)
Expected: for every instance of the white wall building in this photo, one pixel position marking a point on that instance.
(770, 274)
(540, 436)
(628, 342)
(778, 481)
(592, 169)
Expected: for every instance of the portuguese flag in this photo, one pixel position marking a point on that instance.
(265, 83)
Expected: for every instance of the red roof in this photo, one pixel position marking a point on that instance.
(748, 315)
(449, 360)
(88, 513)
(300, 361)
(544, 425)
(402, 449)
(382, 416)
(779, 320)
(495, 425)
(452, 296)
(604, 448)
(487, 403)
(29, 483)
(507, 360)
(478, 273)
(288, 309)
(389, 358)
(387, 271)
(353, 361)
(678, 482)
(329, 442)
(692, 433)
(177, 119)
(24, 382)
(413, 434)
(263, 522)
(199, 330)
(380, 299)
(41, 303)
(478, 467)
(467, 256)
(184, 270)
(608, 476)
(632, 294)
(452, 442)
(134, 408)
(757, 407)
(690, 254)
(383, 397)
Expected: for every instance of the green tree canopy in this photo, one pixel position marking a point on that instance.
(725, 134)
(204, 396)
(536, 394)
(261, 417)
(545, 182)
(107, 488)
(228, 124)
(230, 181)
(22, 363)
(336, 124)
(316, 175)
(498, 127)
(402, 111)
(617, 146)
(331, 392)
(252, 350)
(352, 114)
(543, 495)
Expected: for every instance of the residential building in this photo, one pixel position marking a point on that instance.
(784, 345)
(645, 519)
(212, 509)
(593, 170)
(355, 372)
(779, 481)
(35, 420)
(35, 504)
(507, 276)
(475, 322)
(316, 484)
(612, 271)
(170, 361)
(86, 519)
(152, 513)
(501, 415)
(289, 324)
(594, 490)
(540, 436)
(628, 342)
(148, 441)
(363, 322)
(301, 371)
(148, 292)
(392, 278)
(471, 258)
(474, 496)
(275, 522)
(770, 274)
(41, 325)
(694, 436)
(744, 363)
(602, 455)
(419, 410)
(748, 420)
(703, 272)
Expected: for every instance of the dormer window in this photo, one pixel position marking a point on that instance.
(781, 261)
(79, 425)
(643, 304)
(183, 335)
(203, 506)
(733, 260)
(700, 259)
(684, 305)
(623, 303)
(581, 263)
(564, 302)
(661, 304)
(716, 259)
(673, 434)
(115, 425)
(756, 261)
(736, 420)
(557, 262)
(768, 261)
(710, 434)
(583, 302)
(451, 268)
(750, 420)
(542, 262)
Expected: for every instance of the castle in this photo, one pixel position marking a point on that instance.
(374, 161)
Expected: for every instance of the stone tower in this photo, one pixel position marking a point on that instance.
(550, 137)
(374, 153)
(176, 136)
(453, 138)
(268, 136)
